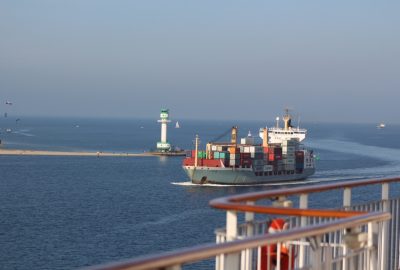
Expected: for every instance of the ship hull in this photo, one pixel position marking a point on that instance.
(234, 176)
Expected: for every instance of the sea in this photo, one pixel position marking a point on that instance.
(71, 212)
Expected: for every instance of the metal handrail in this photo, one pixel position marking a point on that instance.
(254, 196)
(194, 254)
(235, 202)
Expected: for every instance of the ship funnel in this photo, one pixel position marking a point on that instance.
(287, 119)
(234, 135)
(265, 137)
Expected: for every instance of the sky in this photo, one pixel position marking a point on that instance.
(329, 61)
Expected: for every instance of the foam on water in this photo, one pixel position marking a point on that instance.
(391, 155)
(387, 154)
(23, 133)
(301, 182)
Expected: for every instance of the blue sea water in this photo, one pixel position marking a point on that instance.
(70, 212)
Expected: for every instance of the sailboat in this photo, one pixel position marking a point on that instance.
(177, 124)
(381, 125)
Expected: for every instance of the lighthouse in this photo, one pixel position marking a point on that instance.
(163, 145)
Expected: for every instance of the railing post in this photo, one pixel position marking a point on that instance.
(347, 198)
(231, 260)
(328, 258)
(346, 206)
(315, 244)
(373, 249)
(219, 259)
(385, 227)
(303, 204)
(249, 218)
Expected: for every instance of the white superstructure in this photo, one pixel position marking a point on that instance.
(163, 145)
(278, 134)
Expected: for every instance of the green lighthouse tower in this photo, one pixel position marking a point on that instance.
(164, 145)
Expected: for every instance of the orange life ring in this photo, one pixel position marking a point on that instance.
(275, 226)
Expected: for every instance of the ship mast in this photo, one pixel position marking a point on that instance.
(196, 150)
(234, 135)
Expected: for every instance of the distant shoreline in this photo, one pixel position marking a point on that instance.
(22, 152)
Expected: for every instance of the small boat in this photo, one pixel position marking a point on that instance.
(177, 124)
(8, 130)
(381, 125)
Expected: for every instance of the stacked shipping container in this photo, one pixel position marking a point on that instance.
(274, 158)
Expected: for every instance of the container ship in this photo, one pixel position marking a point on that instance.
(279, 158)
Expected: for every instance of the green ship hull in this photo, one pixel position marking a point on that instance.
(242, 176)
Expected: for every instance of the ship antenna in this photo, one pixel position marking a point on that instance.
(277, 122)
(298, 121)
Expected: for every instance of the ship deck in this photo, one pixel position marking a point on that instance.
(347, 235)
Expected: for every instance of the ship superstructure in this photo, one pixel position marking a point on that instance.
(248, 162)
(278, 134)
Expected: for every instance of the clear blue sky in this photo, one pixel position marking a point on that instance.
(329, 60)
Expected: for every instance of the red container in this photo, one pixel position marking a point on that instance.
(190, 161)
(265, 150)
(246, 162)
(212, 163)
(271, 157)
(245, 155)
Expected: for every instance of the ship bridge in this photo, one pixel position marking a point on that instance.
(278, 135)
(355, 233)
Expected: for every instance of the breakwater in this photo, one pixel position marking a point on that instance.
(83, 153)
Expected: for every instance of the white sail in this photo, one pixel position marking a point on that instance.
(177, 125)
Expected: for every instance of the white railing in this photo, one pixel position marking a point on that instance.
(352, 237)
